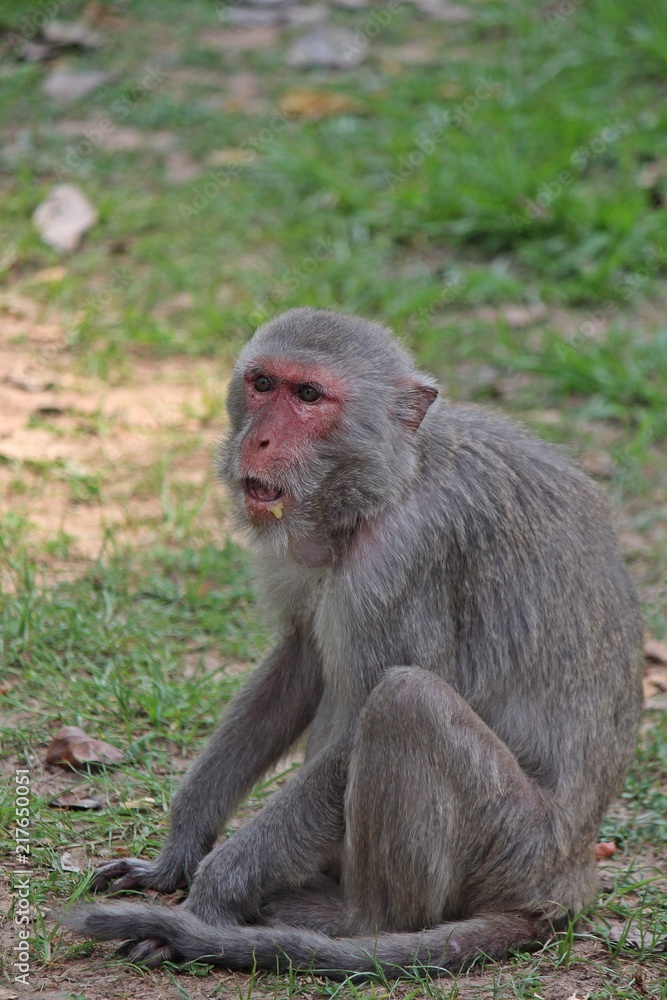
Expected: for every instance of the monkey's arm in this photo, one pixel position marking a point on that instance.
(273, 708)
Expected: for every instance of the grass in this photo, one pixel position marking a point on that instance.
(500, 201)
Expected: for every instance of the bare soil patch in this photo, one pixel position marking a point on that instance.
(84, 458)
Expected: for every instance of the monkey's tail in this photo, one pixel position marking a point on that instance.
(450, 946)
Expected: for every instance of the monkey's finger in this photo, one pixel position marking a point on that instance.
(119, 876)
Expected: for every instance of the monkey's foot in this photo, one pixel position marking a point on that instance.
(151, 953)
(124, 874)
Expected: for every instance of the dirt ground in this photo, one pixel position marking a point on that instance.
(82, 456)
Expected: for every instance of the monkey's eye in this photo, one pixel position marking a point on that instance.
(262, 383)
(308, 393)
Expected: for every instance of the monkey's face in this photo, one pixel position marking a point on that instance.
(324, 410)
(277, 459)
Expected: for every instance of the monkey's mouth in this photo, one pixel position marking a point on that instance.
(261, 492)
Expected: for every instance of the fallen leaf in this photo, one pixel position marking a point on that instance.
(233, 157)
(8, 994)
(71, 747)
(49, 274)
(654, 681)
(68, 862)
(64, 217)
(316, 104)
(144, 803)
(97, 12)
(598, 463)
(69, 800)
(605, 850)
(656, 651)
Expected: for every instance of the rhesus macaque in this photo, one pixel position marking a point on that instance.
(462, 641)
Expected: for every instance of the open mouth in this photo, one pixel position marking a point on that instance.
(261, 492)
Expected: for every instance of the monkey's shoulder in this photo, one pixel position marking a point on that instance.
(480, 463)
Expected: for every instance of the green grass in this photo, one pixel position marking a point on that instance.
(522, 166)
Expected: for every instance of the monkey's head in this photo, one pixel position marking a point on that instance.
(324, 412)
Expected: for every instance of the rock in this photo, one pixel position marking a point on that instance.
(442, 10)
(328, 47)
(67, 85)
(64, 217)
(69, 34)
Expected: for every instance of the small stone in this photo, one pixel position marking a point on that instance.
(328, 47)
(64, 217)
(66, 85)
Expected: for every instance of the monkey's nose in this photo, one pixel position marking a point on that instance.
(264, 444)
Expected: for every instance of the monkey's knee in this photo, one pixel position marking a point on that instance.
(406, 695)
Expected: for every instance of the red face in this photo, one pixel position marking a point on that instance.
(291, 406)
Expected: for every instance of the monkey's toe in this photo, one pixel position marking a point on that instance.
(151, 953)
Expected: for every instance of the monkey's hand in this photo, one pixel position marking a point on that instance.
(124, 874)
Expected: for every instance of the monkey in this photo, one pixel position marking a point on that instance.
(459, 638)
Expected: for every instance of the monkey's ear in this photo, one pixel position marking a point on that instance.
(414, 399)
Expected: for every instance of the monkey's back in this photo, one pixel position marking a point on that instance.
(538, 593)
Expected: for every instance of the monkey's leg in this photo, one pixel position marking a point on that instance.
(441, 822)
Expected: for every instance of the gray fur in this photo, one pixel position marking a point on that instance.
(467, 657)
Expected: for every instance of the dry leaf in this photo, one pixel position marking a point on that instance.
(605, 850)
(64, 217)
(145, 803)
(68, 862)
(69, 800)
(71, 747)
(235, 157)
(316, 104)
(656, 651)
(654, 681)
